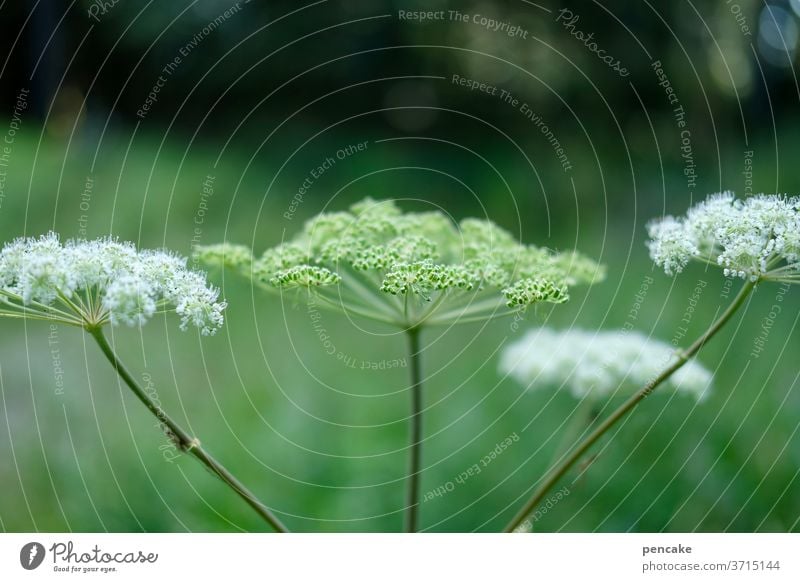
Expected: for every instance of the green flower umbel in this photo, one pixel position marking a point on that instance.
(411, 269)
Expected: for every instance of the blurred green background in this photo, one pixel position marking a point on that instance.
(258, 101)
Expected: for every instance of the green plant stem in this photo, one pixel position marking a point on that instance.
(582, 420)
(560, 470)
(340, 307)
(487, 307)
(186, 442)
(415, 440)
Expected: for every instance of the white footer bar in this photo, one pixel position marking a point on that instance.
(395, 557)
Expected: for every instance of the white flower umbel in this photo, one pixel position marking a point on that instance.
(91, 283)
(597, 364)
(411, 270)
(757, 238)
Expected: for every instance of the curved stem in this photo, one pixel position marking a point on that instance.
(38, 316)
(560, 470)
(186, 442)
(346, 307)
(492, 305)
(415, 442)
(582, 420)
(475, 319)
(33, 306)
(368, 294)
(427, 313)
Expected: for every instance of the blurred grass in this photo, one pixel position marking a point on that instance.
(316, 438)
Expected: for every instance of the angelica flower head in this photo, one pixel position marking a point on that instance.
(757, 238)
(92, 282)
(597, 364)
(410, 268)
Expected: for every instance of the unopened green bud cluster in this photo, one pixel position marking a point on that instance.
(421, 255)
